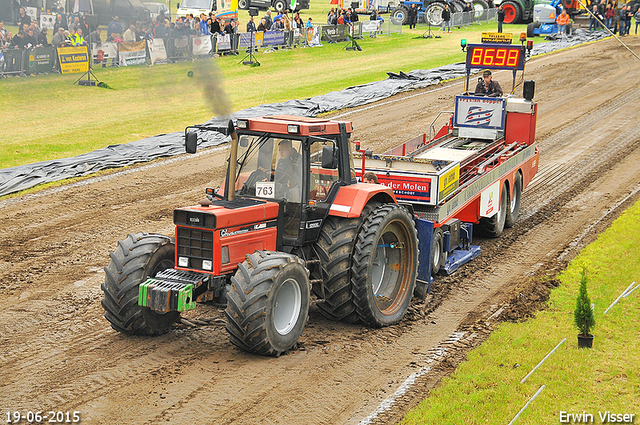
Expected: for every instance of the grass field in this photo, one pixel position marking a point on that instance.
(486, 388)
(50, 117)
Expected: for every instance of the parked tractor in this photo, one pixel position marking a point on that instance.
(431, 10)
(522, 11)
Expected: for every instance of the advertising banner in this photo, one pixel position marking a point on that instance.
(132, 53)
(273, 38)
(223, 42)
(480, 112)
(47, 21)
(108, 51)
(73, 59)
(201, 45)
(157, 51)
(40, 60)
(245, 39)
(334, 33)
(370, 26)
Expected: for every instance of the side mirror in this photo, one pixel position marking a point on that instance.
(191, 142)
(244, 141)
(329, 157)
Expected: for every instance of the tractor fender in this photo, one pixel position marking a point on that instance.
(351, 200)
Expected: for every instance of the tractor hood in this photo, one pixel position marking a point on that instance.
(224, 214)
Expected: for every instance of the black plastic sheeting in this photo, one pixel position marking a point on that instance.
(165, 145)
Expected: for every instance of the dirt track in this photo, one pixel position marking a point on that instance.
(58, 353)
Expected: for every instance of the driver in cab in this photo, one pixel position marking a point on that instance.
(487, 87)
(288, 170)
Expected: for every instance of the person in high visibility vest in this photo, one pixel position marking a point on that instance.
(79, 39)
(563, 20)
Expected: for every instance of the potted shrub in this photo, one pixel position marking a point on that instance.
(583, 315)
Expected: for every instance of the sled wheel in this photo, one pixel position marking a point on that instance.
(437, 252)
(137, 257)
(268, 303)
(514, 202)
(384, 267)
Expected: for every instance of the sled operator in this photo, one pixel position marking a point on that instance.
(487, 87)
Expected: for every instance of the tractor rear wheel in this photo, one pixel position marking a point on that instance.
(512, 12)
(137, 257)
(433, 13)
(480, 8)
(400, 15)
(493, 226)
(514, 204)
(268, 303)
(335, 249)
(385, 264)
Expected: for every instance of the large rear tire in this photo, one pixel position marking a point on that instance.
(385, 265)
(513, 209)
(268, 303)
(480, 8)
(512, 12)
(335, 250)
(433, 13)
(137, 257)
(493, 226)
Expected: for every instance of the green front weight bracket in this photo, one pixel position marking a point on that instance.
(165, 296)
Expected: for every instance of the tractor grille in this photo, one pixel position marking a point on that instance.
(196, 245)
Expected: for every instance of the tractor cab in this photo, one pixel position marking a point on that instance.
(266, 161)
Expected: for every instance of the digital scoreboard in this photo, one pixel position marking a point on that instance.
(495, 56)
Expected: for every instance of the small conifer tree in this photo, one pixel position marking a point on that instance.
(583, 315)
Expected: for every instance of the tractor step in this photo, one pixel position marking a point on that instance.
(170, 290)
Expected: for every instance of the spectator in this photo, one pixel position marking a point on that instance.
(18, 41)
(608, 16)
(277, 25)
(251, 25)
(130, 34)
(467, 7)
(627, 21)
(24, 19)
(216, 28)
(263, 25)
(34, 27)
(42, 38)
(267, 19)
(413, 16)
(30, 39)
(78, 40)
(622, 19)
(602, 7)
(593, 22)
(370, 178)
(331, 18)
(354, 15)
(96, 36)
(67, 38)
(5, 41)
(637, 16)
(500, 17)
(446, 18)
(162, 29)
(58, 38)
(203, 26)
(3, 30)
(563, 20)
(341, 19)
(114, 27)
(75, 24)
(228, 29)
(309, 24)
(59, 24)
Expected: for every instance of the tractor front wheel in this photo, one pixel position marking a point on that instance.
(268, 303)
(385, 264)
(137, 257)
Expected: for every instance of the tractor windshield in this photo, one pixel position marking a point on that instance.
(269, 167)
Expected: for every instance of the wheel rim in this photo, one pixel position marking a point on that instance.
(514, 202)
(389, 267)
(434, 15)
(478, 10)
(509, 13)
(286, 308)
(436, 253)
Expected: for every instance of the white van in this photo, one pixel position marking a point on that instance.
(224, 9)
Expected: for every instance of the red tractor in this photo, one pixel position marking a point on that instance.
(290, 219)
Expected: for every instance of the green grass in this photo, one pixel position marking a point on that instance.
(50, 117)
(486, 388)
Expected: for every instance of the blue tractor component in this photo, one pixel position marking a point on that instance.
(544, 18)
(430, 11)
